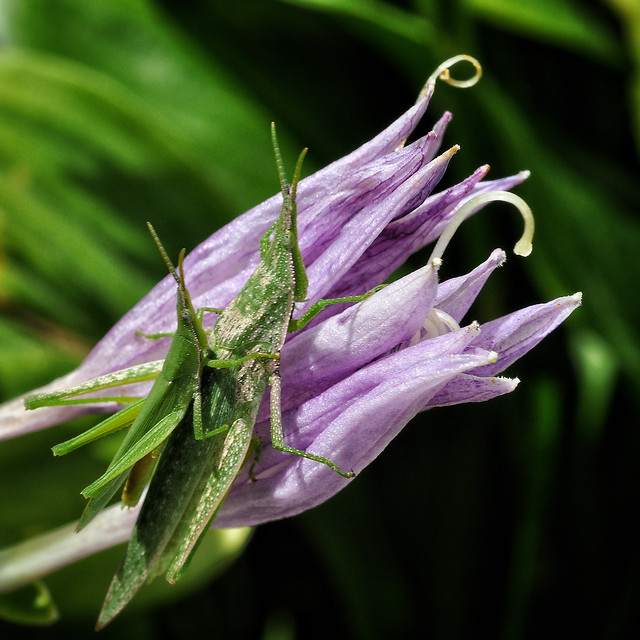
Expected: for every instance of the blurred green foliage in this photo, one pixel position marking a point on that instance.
(514, 517)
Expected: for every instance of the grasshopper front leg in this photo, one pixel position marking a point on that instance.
(124, 418)
(198, 422)
(131, 375)
(317, 307)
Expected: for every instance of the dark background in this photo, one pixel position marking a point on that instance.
(511, 518)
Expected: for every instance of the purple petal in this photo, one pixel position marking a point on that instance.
(456, 295)
(470, 388)
(355, 223)
(15, 420)
(417, 228)
(352, 423)
(513, 335)
(314, 360)
(217, 268)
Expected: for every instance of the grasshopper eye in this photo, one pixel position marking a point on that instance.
(287, 239)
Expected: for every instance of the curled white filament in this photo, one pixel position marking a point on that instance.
(522, 248)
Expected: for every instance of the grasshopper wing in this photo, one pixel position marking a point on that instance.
(190, 472)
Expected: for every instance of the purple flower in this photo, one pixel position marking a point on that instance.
(356, 379)
(360, 218)
(353, 378)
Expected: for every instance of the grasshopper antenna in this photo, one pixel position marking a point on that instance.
(287, 189)
(284, 185)
(298, 171)
(165, 256)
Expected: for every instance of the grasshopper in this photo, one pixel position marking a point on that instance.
(151, 420)
(203, 432)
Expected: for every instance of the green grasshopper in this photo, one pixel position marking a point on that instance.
(204, 428)
(151, 420)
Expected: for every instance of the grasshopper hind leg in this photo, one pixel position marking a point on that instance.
(277, 436)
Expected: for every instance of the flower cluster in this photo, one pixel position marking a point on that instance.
(354, 377)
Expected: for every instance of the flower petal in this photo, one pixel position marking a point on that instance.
(456, 295)
(359, 216)
(351, 423)
(513, 335)
(315, 359)
(470, 388)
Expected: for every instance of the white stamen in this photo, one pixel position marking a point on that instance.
(437, 323)
(522, 248)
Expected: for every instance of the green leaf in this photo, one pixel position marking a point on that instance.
(31, 605)
(382, 14)
(538, 468)
(564, 23)
(79, 589)
(598, 368)
(130, 42)
(44, 354)
(107, 121)
(629, 16)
